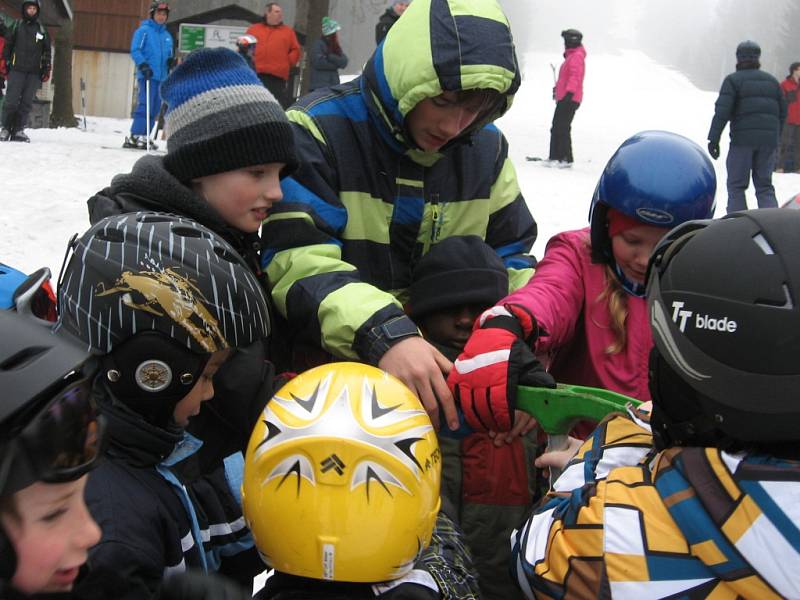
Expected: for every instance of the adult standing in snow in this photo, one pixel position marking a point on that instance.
(277, 51)
(753, 102)
(790, 137)
(389, 18)
(326, 57)
(568, 94)
(151, 50)
(392, 163)
(27, 56)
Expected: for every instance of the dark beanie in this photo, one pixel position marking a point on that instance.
(221, 118)
(457, 271)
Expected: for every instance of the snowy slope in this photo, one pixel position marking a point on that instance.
(44, 185)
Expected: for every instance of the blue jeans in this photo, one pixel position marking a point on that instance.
(140, 125)
(742, 160)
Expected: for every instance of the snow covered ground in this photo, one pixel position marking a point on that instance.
(44, 185)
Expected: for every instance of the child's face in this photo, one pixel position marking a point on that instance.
(243, 197)
(435, 121)
(31, 10)
(203, 390)
(51, 534)
(452, 326)
(632, 249)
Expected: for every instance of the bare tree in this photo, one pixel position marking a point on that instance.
(63, 114)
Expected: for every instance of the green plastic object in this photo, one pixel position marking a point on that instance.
(558, 410)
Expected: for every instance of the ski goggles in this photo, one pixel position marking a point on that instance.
(60, 443)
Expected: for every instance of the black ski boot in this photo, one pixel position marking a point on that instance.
(132, 141)
(20, 136)
(5, 135)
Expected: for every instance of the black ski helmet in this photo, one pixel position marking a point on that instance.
(156, 5)
(156, 295)
(748, 50)
(724, 303)
(657, 177)
(572, 38)
(49, 426)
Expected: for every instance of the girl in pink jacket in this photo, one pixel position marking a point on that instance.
(568, 94)
(584, 308)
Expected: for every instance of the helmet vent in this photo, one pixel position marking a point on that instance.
(225, 254)
(155, 218)
(762, 243)
(787, 304)
(23, 358)
(111, 235)
(189, 232)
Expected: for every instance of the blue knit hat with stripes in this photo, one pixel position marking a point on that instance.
(221, 118)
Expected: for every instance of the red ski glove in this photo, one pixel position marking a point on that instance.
(496, 359)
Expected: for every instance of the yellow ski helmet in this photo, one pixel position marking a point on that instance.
(342, 475)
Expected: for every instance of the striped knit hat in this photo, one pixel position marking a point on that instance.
(221, 118)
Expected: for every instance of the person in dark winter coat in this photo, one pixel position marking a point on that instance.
(326, 57)
(490, 481)
(3, 66)
(790, 137)
(393, 162)
(753, 102)
(568, 94)
(27, 56)
(183, 301)
(389, 18)
(152, 53)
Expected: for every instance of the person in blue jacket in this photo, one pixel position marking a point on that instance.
(151, 50)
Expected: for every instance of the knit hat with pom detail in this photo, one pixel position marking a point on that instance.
(221, 118)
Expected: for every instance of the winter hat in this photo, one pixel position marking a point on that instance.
(748, 50)
(619, 222)
(329, 26)
(221, 118)
(459, 270)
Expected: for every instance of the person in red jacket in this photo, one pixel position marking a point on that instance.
(790, 136)
(277, 51)
(568, 94)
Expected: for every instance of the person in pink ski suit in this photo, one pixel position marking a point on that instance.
(568, 94)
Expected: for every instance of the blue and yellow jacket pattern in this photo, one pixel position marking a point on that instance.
(682, 523)
(366, 203)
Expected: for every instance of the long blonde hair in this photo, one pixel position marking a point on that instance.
(617, 300)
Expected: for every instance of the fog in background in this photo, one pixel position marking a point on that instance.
(695, 37)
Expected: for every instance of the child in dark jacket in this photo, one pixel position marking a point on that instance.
(488, 480)
(163, 302)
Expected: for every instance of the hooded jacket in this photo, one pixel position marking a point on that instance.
(570, 75)
(366, 202)
(152, 44)
(686, 522)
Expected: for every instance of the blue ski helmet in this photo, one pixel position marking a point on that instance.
(657, 177)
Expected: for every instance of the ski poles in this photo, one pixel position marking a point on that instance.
(83, 102)
(147, 110)
(558, 410)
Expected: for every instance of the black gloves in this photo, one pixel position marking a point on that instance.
(713, 149)
(146, 71)
(194, 585)
(568, 97)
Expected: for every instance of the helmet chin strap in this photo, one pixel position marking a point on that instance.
(633, 288)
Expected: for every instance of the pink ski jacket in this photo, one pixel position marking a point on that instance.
(570, 75)
(563, 296)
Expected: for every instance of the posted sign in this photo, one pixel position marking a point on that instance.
(194, 36)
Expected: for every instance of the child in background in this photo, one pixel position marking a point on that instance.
(50, 437)
(164, 302)
(489, 485)
(585, 307)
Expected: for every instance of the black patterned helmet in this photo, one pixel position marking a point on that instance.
(156, 295)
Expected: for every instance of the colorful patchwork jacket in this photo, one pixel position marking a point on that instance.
(682, 523)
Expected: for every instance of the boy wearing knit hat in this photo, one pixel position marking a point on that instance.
(488, 486)
(229, 143)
